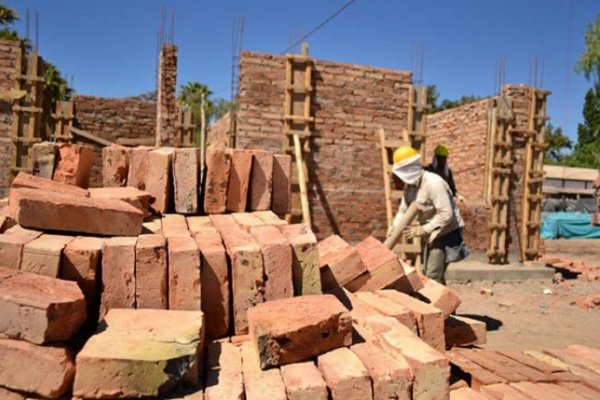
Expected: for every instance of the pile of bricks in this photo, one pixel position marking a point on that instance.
(570, 373)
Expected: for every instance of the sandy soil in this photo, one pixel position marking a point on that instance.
(520, 316)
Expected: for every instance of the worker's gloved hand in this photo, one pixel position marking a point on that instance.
(414, 231)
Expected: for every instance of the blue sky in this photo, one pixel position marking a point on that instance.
(109, 46)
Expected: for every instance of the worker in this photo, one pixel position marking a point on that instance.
(439, 165)
(439, 222)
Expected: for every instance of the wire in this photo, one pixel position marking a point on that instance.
(322, 24)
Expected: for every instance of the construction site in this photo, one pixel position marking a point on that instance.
(262, 258)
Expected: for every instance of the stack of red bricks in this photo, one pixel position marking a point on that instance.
(367, 345)
(570, 373)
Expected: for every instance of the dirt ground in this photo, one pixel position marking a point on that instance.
(520, 316)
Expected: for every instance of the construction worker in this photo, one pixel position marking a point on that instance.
(438, 217)
(439, 165)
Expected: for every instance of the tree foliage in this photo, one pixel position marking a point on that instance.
(589, 61)
(556, 142)
(192, 93)
(8, 16)
(56, 87)
(433, 96)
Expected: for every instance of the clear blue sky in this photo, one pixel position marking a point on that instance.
(110, 45)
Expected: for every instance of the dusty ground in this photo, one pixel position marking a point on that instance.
(520, 316)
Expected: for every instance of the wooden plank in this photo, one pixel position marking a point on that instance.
(386, 177)
(91, 136)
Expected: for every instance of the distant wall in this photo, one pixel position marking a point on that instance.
(463, 130)
(8, 58)
(350, 103)
(115, 120)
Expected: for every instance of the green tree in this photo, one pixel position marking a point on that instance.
(589, 61)
(56, 87)
(433, 96)
(589, 131)
(8, 16)
(556, 142)
(191, 94)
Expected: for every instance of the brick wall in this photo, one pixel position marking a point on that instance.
(463, 130)
(218, 132)
(113, 119)
(8, 57)
(350, 103)
(166, 113)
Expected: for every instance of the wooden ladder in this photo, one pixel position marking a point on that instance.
(534, 175)
(63, 122)
(26, 111)
(297, 122)
(416, 123)
(499, 165)
(412, 248)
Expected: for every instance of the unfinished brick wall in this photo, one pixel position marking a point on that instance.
(166, 104)
(350, 103)
(127, 121)
(8, 58)
(463, 130)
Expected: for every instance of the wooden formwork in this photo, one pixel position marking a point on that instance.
(534, 175)
(297, 128)
(63, 121)
(499, 176)
(185, 127)
(416, 123)
(26, 110)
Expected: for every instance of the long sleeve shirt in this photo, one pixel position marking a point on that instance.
(437, 213)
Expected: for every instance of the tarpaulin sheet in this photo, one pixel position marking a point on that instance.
(568, 225)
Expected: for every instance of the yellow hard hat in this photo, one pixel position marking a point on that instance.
(441, 150)
(402, 153)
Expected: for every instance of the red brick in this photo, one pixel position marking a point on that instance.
(174, 225)
(410, 282)
(137, 198)
(466, 393)
(7, 394)
(239, 180)
(390, 374)
(277, 262)
(115, 165)
(259, 384)
(303, 381)
(282, 336)
(81, 263)
(38, 308)
(52, 373)
(25, 180)
(247, 220)
(140, 353)
(430, 368)
(340, 263)
(42, 255)
(214, 283)
(224, 379)
(159, 182)
(218, 164)
(200, 224)
(502, 391)
(261, 180)
(282, 189)
(184, 274)
(439, 296)
(269, 218)
(307, 276)
(118, 273)
(247, 273)
(462, 331)
(185, 177)
(383, 267)
(430, 321)
(74, 165)
(11, 249)
(346, 376)
(138, 167)
(151, 272)
(390, 308)
(53, 211)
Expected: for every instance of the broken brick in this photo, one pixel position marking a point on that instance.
(74, 165)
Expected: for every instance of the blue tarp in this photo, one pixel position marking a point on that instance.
(568, 225)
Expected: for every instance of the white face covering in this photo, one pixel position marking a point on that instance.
(409, 170)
